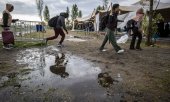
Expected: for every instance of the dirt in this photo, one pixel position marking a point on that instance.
(134, 76)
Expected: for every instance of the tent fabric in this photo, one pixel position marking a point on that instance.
(129, 16)
(160, 6)
(83, 19)
(97, 22)
(87, 17)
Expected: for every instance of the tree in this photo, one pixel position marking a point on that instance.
(67, 11)
(150, 29)
(105, 3)
(99, 8)
(80, 14)
(46, 13)
(40, 7)
(148, 42)
(74, 12)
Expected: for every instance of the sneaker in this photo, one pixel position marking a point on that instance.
(120, 51)
(139, 49)
(102, 49)
(45, 41)
(7, 47)
(60, 45)
(132, 48)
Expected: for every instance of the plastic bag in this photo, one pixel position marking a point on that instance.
(123, 39)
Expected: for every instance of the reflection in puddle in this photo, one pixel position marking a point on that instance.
(50, 67)
(60, 66)
(46, 70)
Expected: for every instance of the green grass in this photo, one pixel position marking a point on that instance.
(21, 44)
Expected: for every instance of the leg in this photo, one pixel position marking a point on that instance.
(132, 44)
(104, 42)
(55, 36)
(139, 41)
(112, 39)
(62, 36)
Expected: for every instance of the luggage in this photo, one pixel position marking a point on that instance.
(7, 37)
(123, 39)
(53, 21)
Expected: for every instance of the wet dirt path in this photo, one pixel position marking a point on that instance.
(48, 74)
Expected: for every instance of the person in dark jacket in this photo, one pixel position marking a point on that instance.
(110, 29)
(58, 29)
(135, 26)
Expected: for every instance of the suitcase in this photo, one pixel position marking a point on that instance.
(7, 37)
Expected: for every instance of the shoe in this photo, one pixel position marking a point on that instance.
(102, 50)
(132, 48)
(7, 47)
(139, 49)
(120, 51)
(45, 41)
(60, 45)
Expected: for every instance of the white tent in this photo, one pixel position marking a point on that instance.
(128, 16)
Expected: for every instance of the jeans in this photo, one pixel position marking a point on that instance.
(111, 37)
(58, 31)
(132, 44)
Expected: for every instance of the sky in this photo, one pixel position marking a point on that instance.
(27, 9)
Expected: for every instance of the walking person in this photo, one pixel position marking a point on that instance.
(7, 35)
(110, 29)
(58, 29)
(135, 25)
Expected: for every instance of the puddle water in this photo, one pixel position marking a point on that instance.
(48, 68)
(75, 39)
(54, 68)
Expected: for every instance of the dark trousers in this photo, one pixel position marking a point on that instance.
(111, 37)
(58, 31)
(134, 36)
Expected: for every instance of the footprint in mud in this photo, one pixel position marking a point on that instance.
(105, 80)
(60, 66)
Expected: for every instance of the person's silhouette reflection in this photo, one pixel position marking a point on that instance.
(60, 66)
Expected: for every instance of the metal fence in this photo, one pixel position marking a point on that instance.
(27, 30)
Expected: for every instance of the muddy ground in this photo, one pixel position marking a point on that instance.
(90, 75)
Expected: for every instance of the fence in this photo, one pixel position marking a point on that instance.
(27, 30)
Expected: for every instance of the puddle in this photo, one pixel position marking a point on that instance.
(75, 39)
(49, 69)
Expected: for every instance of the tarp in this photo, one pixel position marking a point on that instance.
(97, 22)
(129, 16)
(160, 6)
(87, 17)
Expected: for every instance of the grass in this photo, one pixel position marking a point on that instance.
(21, 44)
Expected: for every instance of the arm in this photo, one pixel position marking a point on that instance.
(14, 20)
(5, 19)
(120, 21)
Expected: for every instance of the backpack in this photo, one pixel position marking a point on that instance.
(53, 21)
(104, 21)
(131, 26)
